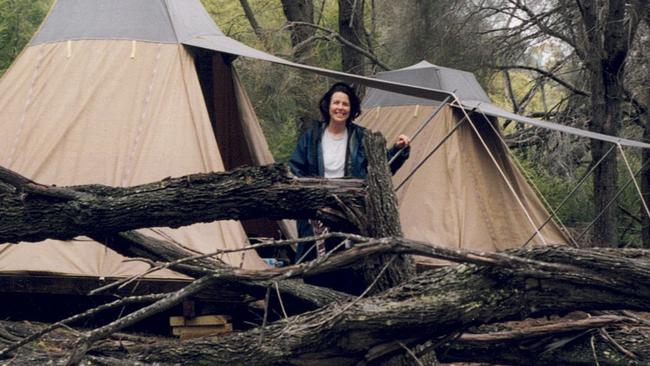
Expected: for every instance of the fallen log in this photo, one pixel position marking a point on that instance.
(298, 296)
(33, 212)
(606, 345)
(611, 340)
(440, 303)
(434, 304)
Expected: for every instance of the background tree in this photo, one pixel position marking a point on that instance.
(598, 36)
(18, 21)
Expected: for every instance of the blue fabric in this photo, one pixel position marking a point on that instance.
(307, 161)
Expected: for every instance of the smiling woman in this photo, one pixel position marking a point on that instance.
(334, 149)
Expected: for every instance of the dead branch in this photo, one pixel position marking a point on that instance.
(246, 193)
(522, 284)
(342, 40)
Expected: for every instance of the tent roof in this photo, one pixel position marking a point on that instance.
(425, 74)
(164, 21)
(187, 22)
(471, 95)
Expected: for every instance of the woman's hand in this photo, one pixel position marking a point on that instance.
(402, 141)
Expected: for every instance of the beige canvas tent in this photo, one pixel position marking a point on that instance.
(469, 193)
(122, 92)
(106, 93)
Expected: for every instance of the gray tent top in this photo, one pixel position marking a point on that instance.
(471, 95)
(187, 22)
(427, 75)
(163, 21)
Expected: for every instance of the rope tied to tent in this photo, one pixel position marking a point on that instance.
(501, 172)
(537, 190)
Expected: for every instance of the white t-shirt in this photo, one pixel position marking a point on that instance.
(334, 150)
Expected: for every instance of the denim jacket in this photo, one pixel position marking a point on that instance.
(307, 159)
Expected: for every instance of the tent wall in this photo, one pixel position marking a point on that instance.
(458, 198)
(118, 113)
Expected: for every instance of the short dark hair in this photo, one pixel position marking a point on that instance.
(355, 103)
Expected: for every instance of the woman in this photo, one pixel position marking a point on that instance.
(334, 148)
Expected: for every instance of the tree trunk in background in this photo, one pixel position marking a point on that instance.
(300, 11)
(645, 121)
(352, 29)
(607, 43)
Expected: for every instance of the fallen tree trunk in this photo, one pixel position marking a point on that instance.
(436, 303)
(34, 212)
(440, 303)
(298, 296)
(604, 340)
(556, 348)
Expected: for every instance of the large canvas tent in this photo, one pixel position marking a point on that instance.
(469, 193)
(127, 91)
(105, 93)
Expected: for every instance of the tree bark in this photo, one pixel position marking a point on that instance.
(351, 28)
(612, 345)
(567, 348)
(382, 218)
(532, 282)
(33, 212)
(300, 11)
(495, 288)
(296, 295)
(606, 48)
(644, 6)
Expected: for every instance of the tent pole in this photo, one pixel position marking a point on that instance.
(636, 184)
(444, 139)
(420, 128)
(612, 201)
(503, 175)
(570, 194)
(532, 183)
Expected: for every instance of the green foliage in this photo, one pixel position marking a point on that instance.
(19, 20)
(578, 211)
(521, 82)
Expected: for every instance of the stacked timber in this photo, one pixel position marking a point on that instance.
(200, 326)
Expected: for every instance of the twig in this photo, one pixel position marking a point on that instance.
(83, 315)
(84, 343)
(543, 330)
(266, 313)
(408, 350)
(636, 317)
(344, 41)
(360, 297)
(611, 340)
(277, 290)
(593, 350)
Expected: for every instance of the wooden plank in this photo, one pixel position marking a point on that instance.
(203, 320)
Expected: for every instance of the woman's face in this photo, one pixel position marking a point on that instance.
(339, 108)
